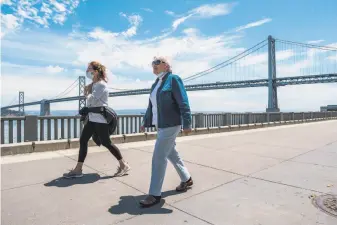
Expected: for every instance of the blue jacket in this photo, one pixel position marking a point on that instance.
(172, 103)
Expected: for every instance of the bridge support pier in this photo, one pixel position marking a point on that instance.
(44, 108)
(272, 88)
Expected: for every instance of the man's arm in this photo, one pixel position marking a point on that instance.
(145, 117)
(180, 95)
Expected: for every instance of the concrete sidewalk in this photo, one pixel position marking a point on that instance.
(263, 176)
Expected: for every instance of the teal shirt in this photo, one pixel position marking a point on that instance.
(172, 104)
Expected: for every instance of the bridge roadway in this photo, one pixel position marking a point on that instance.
(263, 176)
(279, 82)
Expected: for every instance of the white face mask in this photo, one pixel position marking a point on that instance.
(89, 75)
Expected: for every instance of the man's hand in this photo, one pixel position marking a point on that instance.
(187, 131)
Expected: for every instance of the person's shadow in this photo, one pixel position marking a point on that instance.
(86, 179)
(130, 205)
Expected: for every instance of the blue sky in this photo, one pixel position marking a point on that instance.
(51, 41)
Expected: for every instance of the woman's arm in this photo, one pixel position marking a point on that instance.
(97, 91)
(180, 95)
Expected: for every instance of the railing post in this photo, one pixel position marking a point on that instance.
(228, 119)
(303, 117)
(199, 120)
(249, 118)
(30, 129)
(281, 116)
(268, 117)
(292, 116)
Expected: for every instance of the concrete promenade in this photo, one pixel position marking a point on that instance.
(254, 177)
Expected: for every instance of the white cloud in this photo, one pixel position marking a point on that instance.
(54, 69)
(6, 2)
(315, 42)
(59, 6)
(253, 24)
(168, 12)
(333, 58)
(203, 11)
(307, 61)
(147, 9)
(179, 21)
(8, 23)
(135, 21)
(17, 78)
(129, 63)
(40, 13)
(211, 10)
(79, 72)
(191, 31)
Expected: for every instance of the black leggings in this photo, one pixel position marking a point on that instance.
(102, 131)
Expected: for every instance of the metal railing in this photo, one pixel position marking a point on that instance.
(42, 128)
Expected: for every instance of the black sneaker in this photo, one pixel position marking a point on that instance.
(184, 185)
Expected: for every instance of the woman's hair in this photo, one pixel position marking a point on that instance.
(100, 69)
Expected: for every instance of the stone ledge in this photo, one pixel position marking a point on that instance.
(54, 145)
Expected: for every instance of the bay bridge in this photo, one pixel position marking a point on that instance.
(271, 63)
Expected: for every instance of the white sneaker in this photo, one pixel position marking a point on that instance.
(121, 172)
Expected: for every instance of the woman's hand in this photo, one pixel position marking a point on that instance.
(142, 129)
(88, 89)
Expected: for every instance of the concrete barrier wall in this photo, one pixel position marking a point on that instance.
(43, 146)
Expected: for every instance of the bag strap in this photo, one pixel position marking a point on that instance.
(100, 109)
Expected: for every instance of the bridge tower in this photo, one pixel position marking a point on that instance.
(22, 103)
(272, 88)
(44, 108)
(81, 84)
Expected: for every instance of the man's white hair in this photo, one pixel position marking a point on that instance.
(166, 60)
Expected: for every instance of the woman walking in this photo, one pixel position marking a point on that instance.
(168, 109)
(97, 95)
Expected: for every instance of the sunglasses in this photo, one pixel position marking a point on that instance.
(157, 62)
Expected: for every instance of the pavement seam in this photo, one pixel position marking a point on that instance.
(22, 186)
(211, 189)
(130, 186)
(263, 156)
(288, 160)
(242, 176)
(190, 214)
(198, 164)
(288, 185)
(316, 164)
(307, 152)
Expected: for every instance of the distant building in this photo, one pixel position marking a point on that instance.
(323, 108)
(329, 108)
(9, 112)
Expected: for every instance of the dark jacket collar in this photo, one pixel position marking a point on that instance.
(163, 80)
